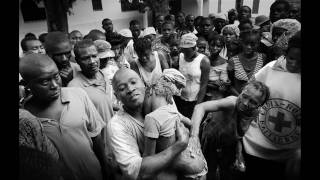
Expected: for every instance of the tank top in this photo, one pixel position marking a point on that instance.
(192, 72)
(150, 77)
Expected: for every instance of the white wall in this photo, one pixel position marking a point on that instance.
(84, 18)
(190, 7)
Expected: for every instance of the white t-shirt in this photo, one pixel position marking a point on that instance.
(276, 133)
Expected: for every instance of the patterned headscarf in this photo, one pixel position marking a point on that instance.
(291, 25)
(234, 28)
(170, 83)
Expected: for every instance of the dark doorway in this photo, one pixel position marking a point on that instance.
(31, 11)
(175, 6)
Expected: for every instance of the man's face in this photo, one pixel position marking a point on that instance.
(293, 60)
(278, 12)
(35, 46)
(117, 50)
(107, 26)
(61, 54)
(144, 56)
(244, 13)
(135, 29)
(249, 99)
(294, 12)
(46, 83)
(245, 27)
(180, 18)
(88, 60)
(75, 37)
(129, 89)
(206, 26)
(159, 21)
(167, 30)
(190, 21)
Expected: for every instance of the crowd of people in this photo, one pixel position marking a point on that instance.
(190, 97)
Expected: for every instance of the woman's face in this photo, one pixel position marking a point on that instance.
(202, 46)
(215, 47)
(229, 34)
(293, 60)
(250, 44)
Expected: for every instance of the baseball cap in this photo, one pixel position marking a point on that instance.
(259, 20)
(188, 40)
(126, 33)
(104, 49)
(148, 31)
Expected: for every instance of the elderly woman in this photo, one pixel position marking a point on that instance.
(282, 30)
(160, 124)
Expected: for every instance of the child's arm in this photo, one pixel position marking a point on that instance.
(151, 134)
(149, 146)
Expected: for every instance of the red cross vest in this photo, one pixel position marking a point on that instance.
(276, 133)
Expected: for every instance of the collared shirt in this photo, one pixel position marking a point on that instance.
(72, 133)
(126, 138)
(31, 134)
(99, 91)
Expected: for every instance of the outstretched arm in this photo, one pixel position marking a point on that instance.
(205, 69)
(209, 106)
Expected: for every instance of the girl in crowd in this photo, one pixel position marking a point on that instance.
(203, 46)
(218, 77)
(231, 33)
(244, 65)
(159, 126)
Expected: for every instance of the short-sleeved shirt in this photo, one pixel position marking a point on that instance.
(276, 134)
(127, 143)
(72, 133)
(31, 134)
(161, 122)
(99, 93)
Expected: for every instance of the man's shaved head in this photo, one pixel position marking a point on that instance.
(31, 65)
(129, 88)
(123, 72)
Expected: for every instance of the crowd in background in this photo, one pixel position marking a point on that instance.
(191, 97)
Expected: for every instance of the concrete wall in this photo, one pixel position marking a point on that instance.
(84, 18)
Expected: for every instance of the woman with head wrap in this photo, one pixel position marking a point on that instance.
(231, 33)
(282, 30)
(160, 124)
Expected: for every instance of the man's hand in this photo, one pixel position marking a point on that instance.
(182, 135)
(66, 75)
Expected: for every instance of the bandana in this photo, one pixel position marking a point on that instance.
(188, 40)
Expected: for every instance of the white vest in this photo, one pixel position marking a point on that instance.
(192, 72)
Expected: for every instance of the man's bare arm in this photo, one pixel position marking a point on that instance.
(205, 69)
(152, 165)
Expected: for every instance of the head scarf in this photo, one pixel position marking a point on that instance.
(291, 25)
(170, 83)
(188, 40)
(234, 28)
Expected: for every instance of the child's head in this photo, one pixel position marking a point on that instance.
(216, 45)
(234, 47)
(202, 45)
(170, 83)
(250, 41)
(230, 32)
(232, 15)
(245, 25)
(293, 53)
